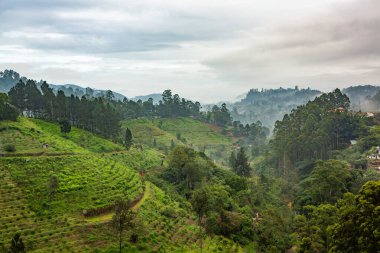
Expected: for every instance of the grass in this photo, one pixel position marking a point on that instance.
(183, 131)
(29, 135)
(80, 137)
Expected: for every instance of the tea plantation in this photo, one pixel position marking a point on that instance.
(90, 174)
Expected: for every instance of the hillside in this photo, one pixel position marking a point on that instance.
(160, 133)
(91, 173)
(270, 105)
(361, 97)
(9, 78)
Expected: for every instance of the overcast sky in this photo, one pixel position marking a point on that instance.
(203, 50)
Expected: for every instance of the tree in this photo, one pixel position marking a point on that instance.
(65, 126)
(328, 181)
(128, 138)
(312, 227)
(242, 167)
(186, 168)
(17, 95)
(358, 226)
(232, 160)
(123, 219)
(7, 110)
(17, 245)
(200, 204)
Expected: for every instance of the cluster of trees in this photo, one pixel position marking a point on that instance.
(240, 164)
(351, 225)
(225, 202)
(251, 135)
(173, 106)
(97, 115)
(312, 131)
(219, 115)
(100, 115)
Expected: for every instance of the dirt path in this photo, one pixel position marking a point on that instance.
(106, 217)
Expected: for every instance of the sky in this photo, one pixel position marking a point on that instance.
(203, 50)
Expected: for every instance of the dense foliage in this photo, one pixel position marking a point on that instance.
(313, 130)
(7, 110)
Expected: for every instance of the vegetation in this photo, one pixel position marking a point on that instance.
(123, 219)
(160, 182)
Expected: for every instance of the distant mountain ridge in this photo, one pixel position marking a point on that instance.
(9, 78)
(361, 97)
(270, 105)
(155, 96)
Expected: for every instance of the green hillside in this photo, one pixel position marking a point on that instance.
(29, 135)
(91, 173)
(159, 133)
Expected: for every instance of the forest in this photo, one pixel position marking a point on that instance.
(95, 174)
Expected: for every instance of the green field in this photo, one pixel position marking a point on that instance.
(182, 131)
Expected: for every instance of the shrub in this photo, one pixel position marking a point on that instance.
(10, 148)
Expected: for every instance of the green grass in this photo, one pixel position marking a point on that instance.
(80, 137)
(28, 136)
(192, 133)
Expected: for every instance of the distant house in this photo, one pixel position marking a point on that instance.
(339, 109)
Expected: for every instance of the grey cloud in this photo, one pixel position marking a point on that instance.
(327, 48)
(88, 35)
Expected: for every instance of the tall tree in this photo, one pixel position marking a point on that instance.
(122, 220)
(128, 138)
(242, 167)
(200, 204)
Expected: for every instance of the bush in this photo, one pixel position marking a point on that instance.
(10, 148)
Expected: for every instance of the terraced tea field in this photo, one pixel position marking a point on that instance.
(86, 182)
(29, 135)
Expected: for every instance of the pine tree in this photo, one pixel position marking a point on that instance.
(242, 167)
(232, 160)
(128, 138)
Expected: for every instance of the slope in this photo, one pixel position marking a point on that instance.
(162, 133)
